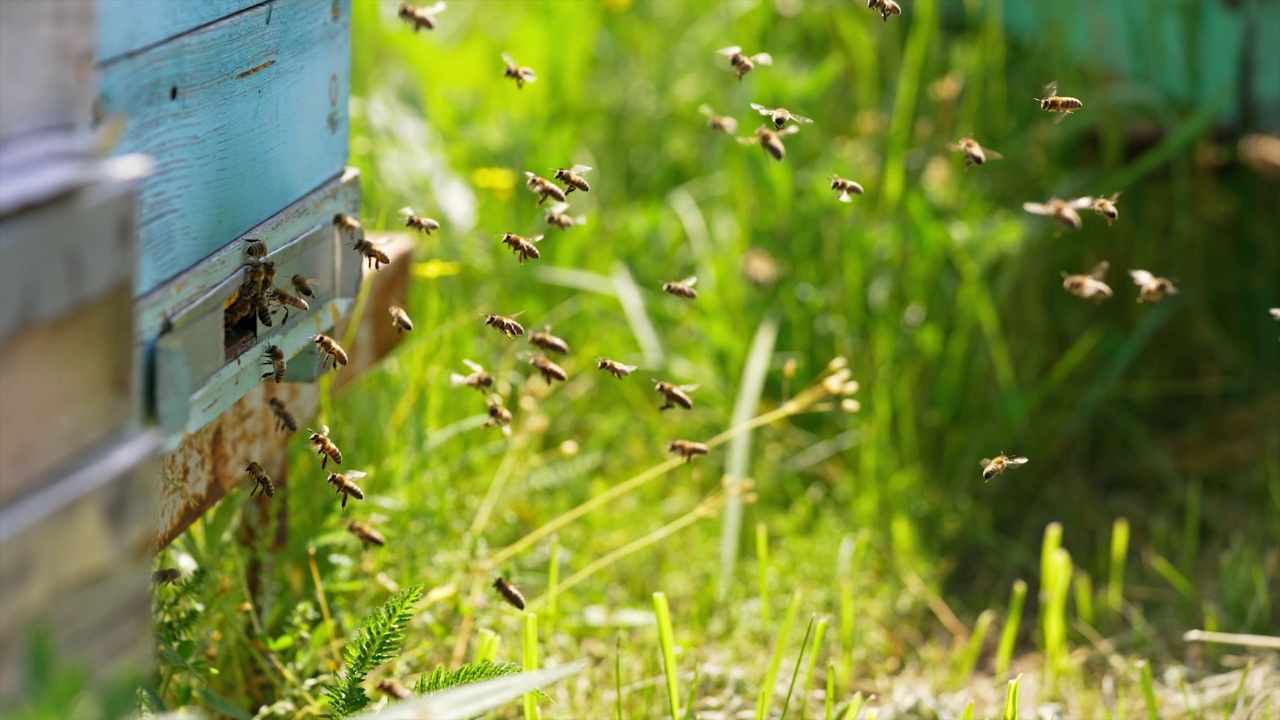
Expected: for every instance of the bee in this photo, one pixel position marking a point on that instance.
(771, 141)
(675, 394)
(992, 467)
(1106, 207)
(275, 358)
(1275, 313)
(504, 324)
(262, 303)
(974, 153)
(284, 418)
(331, 350)
(394, 689)
(572, 178)
(1090, 285)
(499, 416)
(722, 123)
(1150, 287)
(687, 449)
(1058, 104)
(367, 534)
(743, 64)
(325, 447)
(286, 301)
(547, 341)
(846, 187)
(259, 274)
(400, 319)
(780, 116)
(682, 288)
(524, 248)
(543, 187)
(166, 576)
(886, 8)
(521, 75)
(759, 267)
(424, 225)
(1064, 211)
(615, 368)
(509, 593)
(550, 371)
(344, 485)
(375, 256)
(421, 17)
(478, 379)
(304, 285)
(346, 222)
(256, 248)
(262, 482)
(556, 217)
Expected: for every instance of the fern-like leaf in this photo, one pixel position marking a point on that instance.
(443, 679)
(377, 642)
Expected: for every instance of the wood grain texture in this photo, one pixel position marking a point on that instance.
(127, 26)
(46, 65)
(232, 145)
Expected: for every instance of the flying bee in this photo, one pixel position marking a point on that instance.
(1089, 286)
(331, 351)
(687, 449)
(284, 419)
(521, 75)
(394, 689)
(421, 17)
(1106, 207)
(478, 379)
(325, 447)
(504, 324)
(770, 140)
(543, 188)
(345, 486)
(166, 576)
(1064, 211)
(256, 248)
(524, 248)
(400, 319)
(885, 7)
(286, 301)
(556, 217)
(1055, 103)
(780, 116)
(262, 482)
(846, 187)
(367, 534)
(743, 64)
(759, 267)
(615, 368)
(974, 153)
(675, 394)
(545, 340)
(722, 123)
(572, 178)
(424, 225)
(304, 285)
(375, 256)
(1275, 313)
(509, 593)
(275, 358)
(499, 416)
(1150, 287)
(682, 288)
(992, 467)
(550, 371)
(346, 222)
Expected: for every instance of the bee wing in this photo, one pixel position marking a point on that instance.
(558, 208)
(580, 169)
(984, 462)
(991, 154)
(762, 59)
(406, 210)
(580, 220)
(1051, 89)
(690, 281)
(688, 388)
(801, 118)
(706, 110)
(506, 430)
(356, 474)
(1275, 313)
(513, 316)
(761, 109)
(1037, 208)
(1061, 116)
(845, 197)
(1081, 202)
(730, 51)
(1017, 461)
(1141, 277)
(1099, 271)
(632, 368)
(1114, 196)
(535, 239)
(528, 74)
(788, 130)
(457, 380)
(324, 429)
(435, 9)
(508, 59)
(477, 367)
(748, 140)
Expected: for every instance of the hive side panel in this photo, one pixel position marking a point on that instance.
(126, 26)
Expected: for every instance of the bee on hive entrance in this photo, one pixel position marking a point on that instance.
(344, 485)
(675, 395)
(275, 358)
(521, 75)
(478, 379)
(742, 63)
(780, 116)
(421, 17)
(615, 368)
(998, 464)
(1152, 288)
(256, 248)
(262, 482)
(974, 153)
(682, 288)
(722, 123)
(284, 419)
(424, 225)
(504, 324)
(330, 349)
(771, 141)
(687, 449)
(509, 593)
(1090, 285)
(1058, 104)
(325, 447)
(846, 187)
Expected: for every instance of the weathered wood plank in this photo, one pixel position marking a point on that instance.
(46, 65)
(126, 26)
(243, 117)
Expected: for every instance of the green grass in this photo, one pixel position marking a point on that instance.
(942, 299)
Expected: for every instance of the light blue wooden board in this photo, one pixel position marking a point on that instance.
(126, 26)
(259, 120)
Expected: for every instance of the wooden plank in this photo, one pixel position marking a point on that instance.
(127, 26)
(243, 117)
(46, 65)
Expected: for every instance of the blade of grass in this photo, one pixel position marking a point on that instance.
(762, 572)
(1115, 578)
(1149, 690)
(808, 632)
(830, 699)
(775, 665)
(818, 632)
(617, 677)
(969, 658)
(553, 579)
(667, 643)
(1009, 635)
(1084, 597)
(1011, 699)
(531, 663)
(855, 706)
